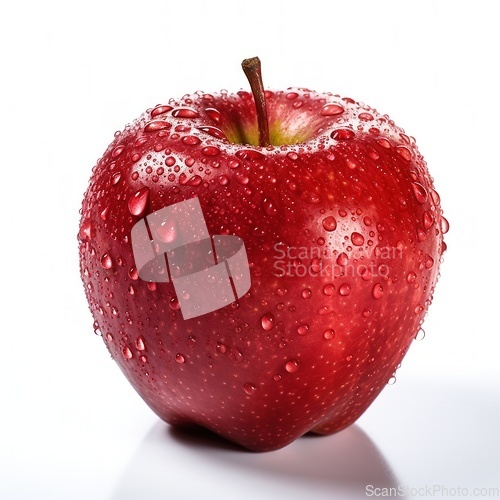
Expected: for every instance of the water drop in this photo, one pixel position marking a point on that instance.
(342, 134)
(421, 234)
(221, 348)
(349, 357)
(139, 344)
(180, 358)
(223, 180)
(366, 117)
(292, 156)
(213, 131)
(342, 259)
(185, 113)
(345, 289)
(429, 261)
(445, 225)
(86, 231)
(428, 220)
(190, 140)
(115, 179)
(329, 334)
(106, 261)
(384, 143)
(303, 329)
(404, 152)
(117, 151)
(160, 110)
(249, 388)
(127, 353)
(332, 110)
(377, 291)
(328, 289)
(292, 95)
(236, 355)
(269, 206)
(411, 277)
(249, 154)
(210, 151)
(392, 380)
(329, 223)
(357, 239)
(214, 114)
(109, 337)
(267, 321)
(292, 366)
(367, 313)
(420, 335)
(277, 378)
(138, 202)
(157, 125)
(419, 191)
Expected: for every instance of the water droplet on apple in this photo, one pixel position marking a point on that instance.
(214, 114)
(131, 290)
(429, 261)
(392, 380)
(221, 348)
(85, 233)
(127, 353)
(139, 344)
(277, 378)
(420, 334)
(411, 277)
(292, 366)
(160, 110)
(115, 179)
(329, 289)
(109, 337)
(377, 291)
(210, 151)
(223, 180)
(329, 334)
(342, 134)
(269, 206)
(213, 131)
(421, 235)
(445, 225)
(306, 293)
(190, 140)
(249, 388)
(117, 151)
(329, 223)
(267, 321)
(133, 274)
(185, 113)
(349, 357)
(303, 329)
(156, 126)
(249, 154)
(236, 355)
(345, 289)
(384, 142)
(292, 156)
(292, 95)
(367, 313)
(342, 259)
(106, 261)
(179, 358)
(332, 109)
(404, 152)
(428, 220)
(419, 191)
(435, 198)
(138, 201)
(357, 239)
(366, 117)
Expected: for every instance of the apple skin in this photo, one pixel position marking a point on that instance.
(343, 190)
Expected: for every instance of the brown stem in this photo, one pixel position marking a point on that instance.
(253, 72)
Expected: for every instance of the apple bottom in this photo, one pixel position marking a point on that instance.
(270, 420)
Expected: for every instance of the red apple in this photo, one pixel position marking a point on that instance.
(343, 231)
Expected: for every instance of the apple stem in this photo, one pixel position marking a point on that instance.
(253, 72)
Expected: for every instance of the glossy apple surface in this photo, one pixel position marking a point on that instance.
(344, 233)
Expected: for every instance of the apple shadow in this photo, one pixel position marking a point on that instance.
(195, 463)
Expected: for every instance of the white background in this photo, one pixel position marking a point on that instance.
(72, 74)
